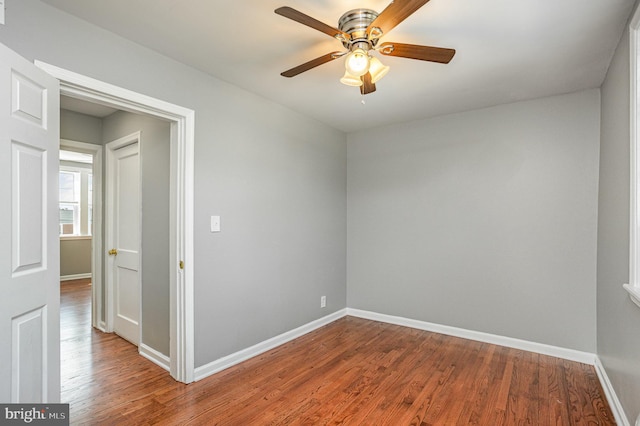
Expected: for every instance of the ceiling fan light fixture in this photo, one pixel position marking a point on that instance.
(350, 80)
(359, 31)
(357, 62)
(377, 69)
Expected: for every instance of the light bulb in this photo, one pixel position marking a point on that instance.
(357, 62)
(377, 70)
(350, 80)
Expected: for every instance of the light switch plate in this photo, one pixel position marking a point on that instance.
(1, 12)
(215, 223)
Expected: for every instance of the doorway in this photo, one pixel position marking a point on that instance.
(75, 181)
(93, 227)
(181, 121)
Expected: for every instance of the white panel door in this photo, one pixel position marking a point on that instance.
(30, 252)
(123, 192)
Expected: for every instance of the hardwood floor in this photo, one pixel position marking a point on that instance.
(353, 371)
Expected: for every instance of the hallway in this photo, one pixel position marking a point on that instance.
(101, 373)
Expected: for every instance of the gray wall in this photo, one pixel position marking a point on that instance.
(80, 127)
(618, 317)
(75, 256)
(154, 171)
(484, 220)
(277, 178)
(279, 185)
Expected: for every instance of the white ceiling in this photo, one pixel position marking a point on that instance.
(507, 50)
(84, 107)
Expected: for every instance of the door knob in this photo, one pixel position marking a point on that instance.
(113, 252)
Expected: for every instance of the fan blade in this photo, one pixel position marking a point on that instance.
(414, 51)
(367, 86)
(396, 12)
(311, 64)
(300, 17)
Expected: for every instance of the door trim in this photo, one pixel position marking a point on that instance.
(96, 237)
(182, 200)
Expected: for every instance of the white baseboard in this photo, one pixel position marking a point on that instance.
(237, 357)
(75, 277)
(610, 393)
(541, 348)
(154, 356)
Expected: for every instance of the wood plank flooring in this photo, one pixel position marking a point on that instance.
(351, 372)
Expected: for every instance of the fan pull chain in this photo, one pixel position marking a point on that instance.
(362, 100)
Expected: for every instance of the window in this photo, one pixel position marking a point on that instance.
(634, 247)
(75, 184)
(69, 203)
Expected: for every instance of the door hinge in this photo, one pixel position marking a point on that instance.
(181, 264)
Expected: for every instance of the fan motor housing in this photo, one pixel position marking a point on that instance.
(355, 23)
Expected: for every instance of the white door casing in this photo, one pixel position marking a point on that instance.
(123, 236)
(182, 200)
(30, 251)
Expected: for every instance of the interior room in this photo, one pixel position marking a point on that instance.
(481, 188)
(76, 173)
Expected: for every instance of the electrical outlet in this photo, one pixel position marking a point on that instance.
(323, 301)
(2, 12)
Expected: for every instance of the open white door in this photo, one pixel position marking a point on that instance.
(123, 235)
(30, 251)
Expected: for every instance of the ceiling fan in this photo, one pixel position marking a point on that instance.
(359, 31)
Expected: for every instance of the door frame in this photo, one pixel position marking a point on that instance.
(96, 234)
(182, 143)
(109, 227)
